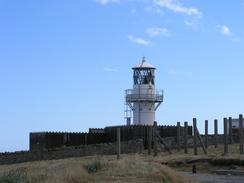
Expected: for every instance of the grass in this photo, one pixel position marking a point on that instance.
(131, 168)
(14, 176)
(179, 161)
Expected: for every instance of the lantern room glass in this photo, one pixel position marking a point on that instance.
(144, 76)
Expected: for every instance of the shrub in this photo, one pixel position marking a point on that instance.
(94, 166)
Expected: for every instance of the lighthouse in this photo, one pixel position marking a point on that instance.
(143, 100)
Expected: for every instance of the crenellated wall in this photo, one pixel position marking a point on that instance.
(50, 140)
(141, 132)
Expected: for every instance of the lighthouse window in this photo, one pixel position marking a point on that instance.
(143, 76)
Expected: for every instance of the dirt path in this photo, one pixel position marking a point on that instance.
(211, 178)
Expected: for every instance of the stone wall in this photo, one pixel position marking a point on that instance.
(132, 146)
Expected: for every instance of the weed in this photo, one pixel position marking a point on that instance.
(94, 166)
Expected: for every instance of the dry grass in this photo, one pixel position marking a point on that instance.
(178, 160)
(130, 168)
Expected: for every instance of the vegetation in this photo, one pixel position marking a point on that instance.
(14, 176)
(130, 168)
(94, 166)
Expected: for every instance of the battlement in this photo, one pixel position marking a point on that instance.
(50, 140)
(40, 141)
(96, 130)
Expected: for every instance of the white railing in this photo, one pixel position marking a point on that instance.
(156, 96)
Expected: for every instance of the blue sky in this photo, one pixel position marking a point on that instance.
(64, 65)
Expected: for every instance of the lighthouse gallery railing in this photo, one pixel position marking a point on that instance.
(150, 95)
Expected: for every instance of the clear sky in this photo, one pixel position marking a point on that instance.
(64, 64)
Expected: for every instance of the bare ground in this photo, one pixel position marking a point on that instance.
(212, 178)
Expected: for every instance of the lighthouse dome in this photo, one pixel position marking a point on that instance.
(144, 65)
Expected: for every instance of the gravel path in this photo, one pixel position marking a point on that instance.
(211, 178)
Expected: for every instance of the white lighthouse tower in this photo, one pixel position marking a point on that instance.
(143, 100)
